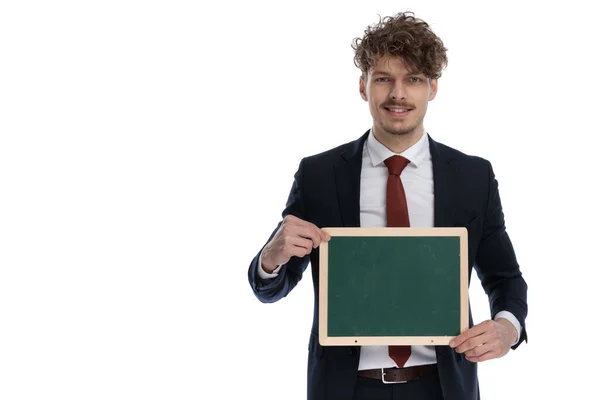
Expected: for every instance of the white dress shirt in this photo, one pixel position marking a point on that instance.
(417, 179)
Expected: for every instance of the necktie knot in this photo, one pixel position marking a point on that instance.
(396, 164)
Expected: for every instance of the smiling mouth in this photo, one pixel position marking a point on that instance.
(398, 111)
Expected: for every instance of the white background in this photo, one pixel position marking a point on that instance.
(147, 149)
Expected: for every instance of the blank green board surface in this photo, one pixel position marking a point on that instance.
(394, 286)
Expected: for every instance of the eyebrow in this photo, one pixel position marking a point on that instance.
(410, 73)
(376, 72)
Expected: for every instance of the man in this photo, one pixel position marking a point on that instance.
(397, 169)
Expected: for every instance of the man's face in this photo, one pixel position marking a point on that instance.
(397, 96)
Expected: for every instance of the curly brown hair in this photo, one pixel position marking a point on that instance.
(404, 36)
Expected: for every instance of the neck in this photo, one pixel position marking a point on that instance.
(398, 143)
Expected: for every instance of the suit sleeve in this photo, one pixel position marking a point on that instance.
(274, 289)
(496, 263)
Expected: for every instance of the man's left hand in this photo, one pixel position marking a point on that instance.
(485, 341)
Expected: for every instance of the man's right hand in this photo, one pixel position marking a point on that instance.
(295, 237)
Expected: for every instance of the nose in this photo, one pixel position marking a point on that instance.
(398, 90)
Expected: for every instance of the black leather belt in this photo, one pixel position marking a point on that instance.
(392, 375)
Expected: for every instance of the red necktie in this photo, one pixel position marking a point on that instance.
(397, 216)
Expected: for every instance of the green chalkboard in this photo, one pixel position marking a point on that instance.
(393, 286)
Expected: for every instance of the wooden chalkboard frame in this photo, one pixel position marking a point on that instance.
(326, 340)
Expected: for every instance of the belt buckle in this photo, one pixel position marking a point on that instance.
(383, 378)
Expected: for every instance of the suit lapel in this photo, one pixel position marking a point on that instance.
(444, 176)
(347, 180)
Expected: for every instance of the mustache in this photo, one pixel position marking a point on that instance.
(398, 105)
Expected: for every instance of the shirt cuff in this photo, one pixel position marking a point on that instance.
(264, 274)
(513, 320)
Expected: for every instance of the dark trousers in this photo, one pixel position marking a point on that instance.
(425, 388)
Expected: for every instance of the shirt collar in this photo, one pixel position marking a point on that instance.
(416, 153)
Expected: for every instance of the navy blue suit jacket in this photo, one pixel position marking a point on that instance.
(326, 192)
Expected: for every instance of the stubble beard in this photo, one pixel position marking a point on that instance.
(401, 131)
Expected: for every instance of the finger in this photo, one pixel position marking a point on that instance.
(325, 236)
(469, 333)
(291, 249)
(482, 349)
(291, 219)
(310, 232)
(473, 343)
(305, 244)
(300, 228)
(292, 222)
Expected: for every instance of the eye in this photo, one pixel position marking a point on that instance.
(415, 79)
(382, 80)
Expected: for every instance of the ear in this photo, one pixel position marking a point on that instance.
(433, 87)
(362, 88)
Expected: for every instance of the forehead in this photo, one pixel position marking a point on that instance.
(392, 65)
